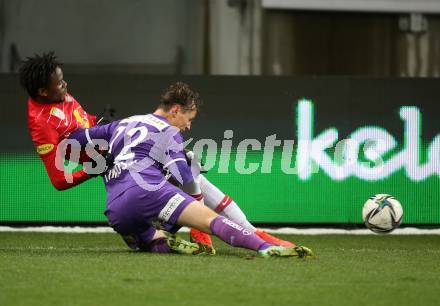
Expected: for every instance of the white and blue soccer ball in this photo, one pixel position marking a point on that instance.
(382, 213)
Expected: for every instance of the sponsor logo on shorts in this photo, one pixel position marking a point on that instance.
(170, 207)
(45, 148)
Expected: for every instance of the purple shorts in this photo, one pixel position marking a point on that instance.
(136, 212)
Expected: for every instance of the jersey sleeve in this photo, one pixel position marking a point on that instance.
(46, 141)
(175, 160)
(92, 119)
(90, 135)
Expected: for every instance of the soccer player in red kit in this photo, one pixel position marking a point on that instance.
(52, 114)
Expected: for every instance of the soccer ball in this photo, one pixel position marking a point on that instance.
(382, 213)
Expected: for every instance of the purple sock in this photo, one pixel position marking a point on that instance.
(159, 246)
(236, 235)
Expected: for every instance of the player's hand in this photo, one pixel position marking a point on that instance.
(173, 181)
(192, 157)
(107, 115)
(167, 174)
(109, 163)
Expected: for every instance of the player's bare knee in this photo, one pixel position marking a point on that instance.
(198, 216)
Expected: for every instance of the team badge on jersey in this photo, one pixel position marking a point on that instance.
(45, 148)
(81, 120)
(57, 113)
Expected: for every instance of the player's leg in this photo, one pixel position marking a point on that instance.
(150, 240)
(215, 199)
(162, 242)
(173, 206)
(203, 239)
(224, 205)
(205, 247)
(130, 216)
(196, 236)
(204, 219)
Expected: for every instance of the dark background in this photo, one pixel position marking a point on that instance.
(253, 107)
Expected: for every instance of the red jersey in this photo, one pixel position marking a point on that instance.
(48, 125)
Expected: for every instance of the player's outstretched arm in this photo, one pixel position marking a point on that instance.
(46, 142)
(58, 177)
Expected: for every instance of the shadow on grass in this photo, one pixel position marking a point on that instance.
(56, 250)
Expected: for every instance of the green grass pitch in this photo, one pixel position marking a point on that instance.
(97, 269)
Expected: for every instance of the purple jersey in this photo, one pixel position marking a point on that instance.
(145, 147)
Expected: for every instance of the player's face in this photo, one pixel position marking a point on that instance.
(182, 119)
(57, 89)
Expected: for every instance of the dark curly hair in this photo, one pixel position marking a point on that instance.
(180, 93)
(36, 72)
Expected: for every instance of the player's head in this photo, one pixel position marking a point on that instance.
(180, 104)
(42, 78)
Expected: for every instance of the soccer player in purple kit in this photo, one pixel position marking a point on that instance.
(139, 196)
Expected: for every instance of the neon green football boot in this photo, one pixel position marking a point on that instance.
(181, 246)
(278, 251)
